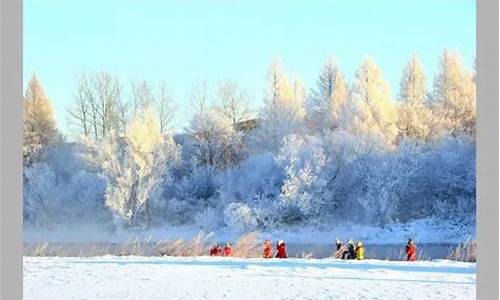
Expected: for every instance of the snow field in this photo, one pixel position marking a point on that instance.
(112, 277)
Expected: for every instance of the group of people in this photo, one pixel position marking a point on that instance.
(349, 251)
(267, 251)
(217, 250)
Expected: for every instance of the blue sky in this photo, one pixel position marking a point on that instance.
(181, 41)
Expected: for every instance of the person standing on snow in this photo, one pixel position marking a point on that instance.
(338, 244)
(341, 250)
(228, 250)
(216, 250)
(281, 248)
(411, 251)
(267, 249)
(351, 250)
(360, 251)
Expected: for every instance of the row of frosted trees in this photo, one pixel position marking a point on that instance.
(339, 152)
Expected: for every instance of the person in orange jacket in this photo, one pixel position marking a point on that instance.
(228, 250)
(267, 249)
(281, 248)
(411, 251)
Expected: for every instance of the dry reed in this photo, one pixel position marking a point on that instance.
(466, 252)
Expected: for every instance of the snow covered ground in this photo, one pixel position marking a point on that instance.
(111, 277)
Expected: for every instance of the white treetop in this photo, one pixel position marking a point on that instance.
(283, 110)
(328, 98)
(370, 109)
(39, 124)
(455, 96)
(414, 116)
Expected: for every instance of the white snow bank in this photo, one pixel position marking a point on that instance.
(422, 231)
(111, 277)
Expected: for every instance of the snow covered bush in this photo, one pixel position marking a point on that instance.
(239, 216)
(256, 182)
(444, 182)
(41, 194)
(55, 193)
(303, 160)
(209, 219)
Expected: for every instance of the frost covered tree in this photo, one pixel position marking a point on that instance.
(299, 94)
(136, 166)
(240, 216)
(380, 177)
(362, 158)
(369, 109)
(159, 97)
(216, 143)
(415, 117)
(164, 106)
(39, 124)
(256, 182)
(80, 112)
(108, 98)
(198, 98)
(454, 96)
(303, 160)
(283, 111)
(61, 190)
(98, 109)
(326, 101)
(234, 102)
(142, 95)
(40, 192)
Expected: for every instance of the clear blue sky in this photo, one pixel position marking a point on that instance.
(181, 41)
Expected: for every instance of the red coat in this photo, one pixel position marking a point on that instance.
(228, 251)
(281, 251)
(268, 251)
(411, 252)
(216, 251)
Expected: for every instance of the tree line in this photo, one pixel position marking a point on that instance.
(338, 152)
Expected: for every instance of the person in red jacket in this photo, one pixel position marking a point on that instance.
(411, 251)
(216, 250)
(228, 250)
(267, 249)
(281, 248)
